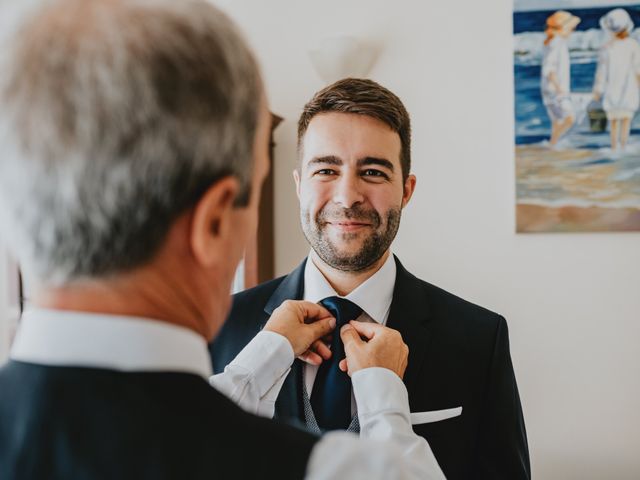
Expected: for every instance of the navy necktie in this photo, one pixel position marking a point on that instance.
(331, 395)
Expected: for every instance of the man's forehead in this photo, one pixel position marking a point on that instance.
(349, 137)
(342, 119)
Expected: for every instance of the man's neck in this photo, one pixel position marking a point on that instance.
(345, 282)
(146, 293)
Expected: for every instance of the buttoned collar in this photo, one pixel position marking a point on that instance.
(70, 338)
(374, 295)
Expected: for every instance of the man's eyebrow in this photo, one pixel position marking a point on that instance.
(326, 160)
(382, 162)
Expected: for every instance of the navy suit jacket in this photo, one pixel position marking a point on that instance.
(458, 356)
(82, 423)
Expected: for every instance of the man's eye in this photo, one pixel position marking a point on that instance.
(374, 173)
(326, 171)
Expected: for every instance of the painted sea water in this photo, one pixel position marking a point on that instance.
(580, 184)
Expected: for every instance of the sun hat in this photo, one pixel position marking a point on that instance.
(561, 21)
(616, 21)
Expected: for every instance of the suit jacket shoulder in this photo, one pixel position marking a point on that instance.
(455, 323)
(81, 422)
(444, 301)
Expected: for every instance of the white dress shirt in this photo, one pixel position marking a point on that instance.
(373, 296)
(389, 448)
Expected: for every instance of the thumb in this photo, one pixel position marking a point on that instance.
(320, 328)
(312, 311)
(349, 336)
(366, 329)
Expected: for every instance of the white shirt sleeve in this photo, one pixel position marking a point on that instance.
(388, 448)
(254, 378)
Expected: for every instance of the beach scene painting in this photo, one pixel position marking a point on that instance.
(577, 125)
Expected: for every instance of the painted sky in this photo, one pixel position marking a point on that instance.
(522, 5)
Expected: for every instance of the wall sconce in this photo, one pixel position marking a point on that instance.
(340, 56)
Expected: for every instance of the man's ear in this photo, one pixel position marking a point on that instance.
(212, 221)
(409, 187)
(296, 178)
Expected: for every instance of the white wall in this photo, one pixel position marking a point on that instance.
(572, 300)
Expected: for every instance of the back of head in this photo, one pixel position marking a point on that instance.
(115, 117)
(362, 97)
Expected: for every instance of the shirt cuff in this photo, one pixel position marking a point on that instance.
(268, 357)
(379, 390)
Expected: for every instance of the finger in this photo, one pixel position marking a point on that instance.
(291, 307)
(367, 329)
(321, 349)
(320, 328)
(311, 358)
(349, 336)
(343, 365)
(304, 311)
(313, 310)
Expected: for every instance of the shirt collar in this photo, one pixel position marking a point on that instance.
(66, 338)
(374, 295)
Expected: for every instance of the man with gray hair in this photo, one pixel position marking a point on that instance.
(135, 142)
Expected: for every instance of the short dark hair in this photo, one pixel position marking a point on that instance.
(362, 97)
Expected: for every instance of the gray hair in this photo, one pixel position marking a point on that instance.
(115, 118)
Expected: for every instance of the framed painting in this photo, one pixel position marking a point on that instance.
(577, 128)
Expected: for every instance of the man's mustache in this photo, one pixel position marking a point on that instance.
(356, 214)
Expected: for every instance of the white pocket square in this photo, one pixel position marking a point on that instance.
(419, 418)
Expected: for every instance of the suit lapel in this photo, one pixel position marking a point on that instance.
(291, 288)
(289, 403)
(409, 314)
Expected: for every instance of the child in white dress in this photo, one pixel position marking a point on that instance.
(556, 73)
(617, 79)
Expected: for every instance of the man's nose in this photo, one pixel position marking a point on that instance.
(348, 191)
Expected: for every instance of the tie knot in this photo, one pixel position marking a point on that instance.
(344, 310)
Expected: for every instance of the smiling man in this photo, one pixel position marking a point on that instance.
(353, 181)
(351, 193)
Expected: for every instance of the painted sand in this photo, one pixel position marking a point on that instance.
(577, 189)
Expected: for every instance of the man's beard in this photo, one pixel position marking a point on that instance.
(373, 246)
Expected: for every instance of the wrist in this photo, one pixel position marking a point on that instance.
(372, 399)
(283, 340)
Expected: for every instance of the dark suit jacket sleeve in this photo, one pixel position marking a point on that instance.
(502, 447)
